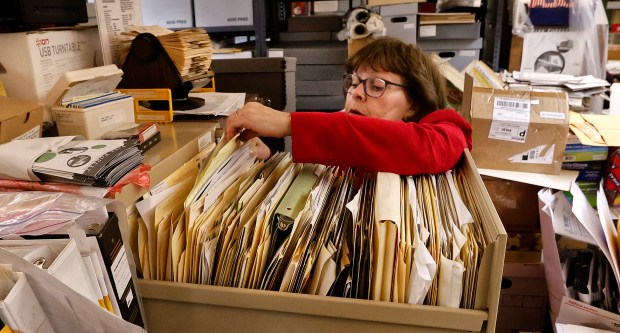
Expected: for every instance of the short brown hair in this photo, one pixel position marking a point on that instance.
(425, 85)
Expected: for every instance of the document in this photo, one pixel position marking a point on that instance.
(19, 307)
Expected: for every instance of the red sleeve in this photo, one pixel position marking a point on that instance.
(433, 145)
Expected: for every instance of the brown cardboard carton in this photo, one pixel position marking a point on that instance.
(354, 45)
(19, 119)
(518, 130)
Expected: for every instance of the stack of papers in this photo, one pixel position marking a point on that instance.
(89, 162)
(190, 50)
(578, 88)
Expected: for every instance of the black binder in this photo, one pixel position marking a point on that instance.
(115, 259)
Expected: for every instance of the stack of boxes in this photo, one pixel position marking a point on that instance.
(590, 161)
(320, 61)
(459, 43)
(400, 21)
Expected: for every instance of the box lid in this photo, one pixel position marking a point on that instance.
(84, 82)
(11, 107)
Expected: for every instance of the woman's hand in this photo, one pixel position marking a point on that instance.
(255, 119)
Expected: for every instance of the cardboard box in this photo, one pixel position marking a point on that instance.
(36, 59)
(183, 307)
(224, 15)
(162, 13)
(389, 2)
(458, 52)
(449, 31)
(403, 27)
(91, 122)
(272, 78)
(523, 299)
(516, 203)
(19, 119)
(354, 45)
(400, 9)
(518, 130)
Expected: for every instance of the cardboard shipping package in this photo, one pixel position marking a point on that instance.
(19, 119)
(518, 130)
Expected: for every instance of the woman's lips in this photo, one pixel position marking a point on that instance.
(356, 112)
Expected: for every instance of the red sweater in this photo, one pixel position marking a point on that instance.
(433, 145)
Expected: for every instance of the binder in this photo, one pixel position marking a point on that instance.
(115, 258)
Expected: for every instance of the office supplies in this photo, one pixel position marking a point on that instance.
(142, 99)
(115, 258)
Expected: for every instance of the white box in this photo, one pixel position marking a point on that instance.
(399, 9)
(177, 14)
(231, 13)
(403, 27)
(97, 120)
(35, 60)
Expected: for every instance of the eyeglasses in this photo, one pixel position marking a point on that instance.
(373, 86)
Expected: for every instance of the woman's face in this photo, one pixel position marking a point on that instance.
(394, 104)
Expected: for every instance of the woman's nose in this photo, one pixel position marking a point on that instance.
(358, 92)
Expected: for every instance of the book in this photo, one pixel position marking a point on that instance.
(141, 132)
(89, 162)
(446, 18)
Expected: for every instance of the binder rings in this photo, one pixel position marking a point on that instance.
(111, 244)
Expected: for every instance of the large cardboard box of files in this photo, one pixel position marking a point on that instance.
(93, 121)
(35, 60)
(183, 307)
(19, 119)
(518, 130)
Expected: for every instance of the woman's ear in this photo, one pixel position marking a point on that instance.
(409, 113)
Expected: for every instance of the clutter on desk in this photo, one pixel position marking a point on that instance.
(145, 135)
(62, 159)
(37, 213)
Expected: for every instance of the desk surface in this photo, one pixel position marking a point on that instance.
(180, 141)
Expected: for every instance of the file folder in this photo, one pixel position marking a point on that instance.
(115, 258)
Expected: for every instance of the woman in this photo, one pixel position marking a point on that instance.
(393, 119)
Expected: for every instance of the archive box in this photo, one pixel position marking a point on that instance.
(184, 307)
(92, 121)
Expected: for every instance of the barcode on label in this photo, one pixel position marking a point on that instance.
(511, 104)
(533, 154)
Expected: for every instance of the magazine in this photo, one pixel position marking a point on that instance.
(89, 162)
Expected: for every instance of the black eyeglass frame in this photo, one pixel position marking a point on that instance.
(363, 83)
